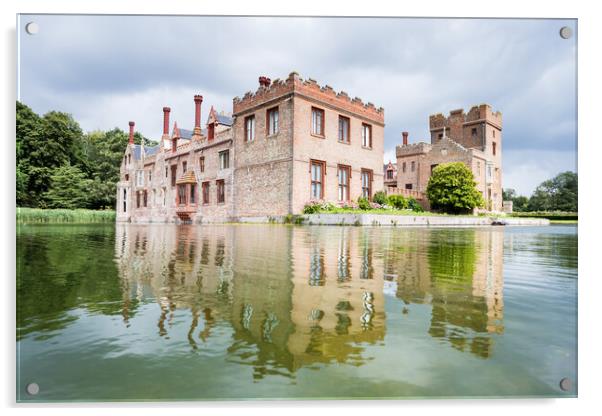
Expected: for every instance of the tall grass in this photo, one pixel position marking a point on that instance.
(56, 216)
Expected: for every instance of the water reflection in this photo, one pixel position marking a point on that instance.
(307, 296)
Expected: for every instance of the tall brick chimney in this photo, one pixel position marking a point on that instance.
(131, 141)
(166, 111)
(198, 99)
(405, 138)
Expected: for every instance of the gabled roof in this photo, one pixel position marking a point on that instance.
(219, 118)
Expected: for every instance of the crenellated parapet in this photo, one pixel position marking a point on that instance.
(458, 118)
(310, 89)
(412, 149)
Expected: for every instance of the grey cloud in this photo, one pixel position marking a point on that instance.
(412, 67)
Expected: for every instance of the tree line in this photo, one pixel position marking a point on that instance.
(556, 194)
(60, 166)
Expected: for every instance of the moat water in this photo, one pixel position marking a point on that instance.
(164, 312)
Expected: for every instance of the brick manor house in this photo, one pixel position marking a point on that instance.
(292, 141)
(289, 142)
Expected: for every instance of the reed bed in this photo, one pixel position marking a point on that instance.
(57, 216)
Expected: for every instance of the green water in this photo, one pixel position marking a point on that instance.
(163, 312)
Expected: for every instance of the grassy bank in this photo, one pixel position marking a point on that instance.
(553, 216)
(57, 216)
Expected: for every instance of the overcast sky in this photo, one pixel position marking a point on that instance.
(107, 70)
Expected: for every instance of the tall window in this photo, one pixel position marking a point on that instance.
(150, 176)
(182, 194)
(166, 172)
(413, 166)
(145, 198)
(366, 135)
(250, 128)
(473, 132)
(344, 173)
(221, 191)
(494, 148)
(205, 192)
(344, 129)
(138, 199)
(174, 171)
(403, 167)
(390, 174)
(317, 121)
(202, 164)
(273, 118)
(125, 194)
(367, 183)
(184, 166)
(193, 193)
(224, 159)
(211, 131)
(317, 179)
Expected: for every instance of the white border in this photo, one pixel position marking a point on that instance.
(589, 229)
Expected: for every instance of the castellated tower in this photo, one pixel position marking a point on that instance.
(473, 137)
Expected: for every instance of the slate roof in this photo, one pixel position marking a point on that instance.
(225, 120)
(185, 134)
(148, 151)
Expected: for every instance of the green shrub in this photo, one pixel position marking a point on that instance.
(452, 189)
(397, 201)
(311, 208)
(414, 205)
(363, 203)
(380, 198)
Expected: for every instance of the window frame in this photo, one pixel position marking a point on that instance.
(348, 130)
(252, 131)
(206, 195)
(347, 185)
(370, 174)
(369, 129)
(269, 113)
(317, 110)
(227, 159)
(322, 165)
(174, 175)
(192, 193)
(220, 191)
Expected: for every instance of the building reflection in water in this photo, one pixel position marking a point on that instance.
(297, 297)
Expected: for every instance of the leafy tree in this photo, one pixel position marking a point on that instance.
(452, 189)
(556, 194)
(520, 203)
(43, 144)
(69, 188)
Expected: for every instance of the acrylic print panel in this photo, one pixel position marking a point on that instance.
(206, 211)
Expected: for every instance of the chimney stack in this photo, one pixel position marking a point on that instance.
(198, 99)
(131, 141)
(166, 111)
(405, 138)
(264, 82)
